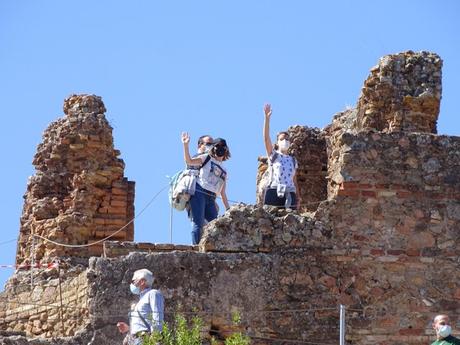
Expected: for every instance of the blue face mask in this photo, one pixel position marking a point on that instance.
(134, 289)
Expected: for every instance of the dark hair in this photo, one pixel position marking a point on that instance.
(286, 134)
(201, 141)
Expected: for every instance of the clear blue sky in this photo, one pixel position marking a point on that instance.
(201, 66)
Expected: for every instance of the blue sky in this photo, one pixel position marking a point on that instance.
(162, 67)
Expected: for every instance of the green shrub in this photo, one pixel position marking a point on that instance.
(237, 338)
(184, 333)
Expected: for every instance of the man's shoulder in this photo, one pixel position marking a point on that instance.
(154, 292)
(454, 340)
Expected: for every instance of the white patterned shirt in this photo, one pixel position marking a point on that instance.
(283, 169)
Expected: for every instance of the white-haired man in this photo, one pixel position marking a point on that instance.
(147, 314)
(441, 325)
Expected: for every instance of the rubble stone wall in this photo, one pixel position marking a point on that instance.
(402, 93)
(38, 310)
(78, 194)
(392, 264)
(381, 236)
(397, 164)
(114, 249)
(289, 293)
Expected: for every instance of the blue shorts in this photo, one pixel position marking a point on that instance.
(272, 199)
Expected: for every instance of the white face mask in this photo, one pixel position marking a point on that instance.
(283, 145)
(207, 147)
(444, 331)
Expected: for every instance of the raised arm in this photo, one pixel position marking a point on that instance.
(189, 160)
(267, 141)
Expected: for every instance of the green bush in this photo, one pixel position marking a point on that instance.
(237, 338)
(184, 333)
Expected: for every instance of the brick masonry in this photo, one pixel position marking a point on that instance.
(37, 309)
(78, 194)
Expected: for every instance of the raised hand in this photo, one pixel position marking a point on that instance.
(267, 110)
(185, 137)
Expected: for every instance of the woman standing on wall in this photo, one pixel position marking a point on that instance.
(211, 182)
(282, 188)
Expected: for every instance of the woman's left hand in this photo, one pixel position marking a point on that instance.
(185, 137)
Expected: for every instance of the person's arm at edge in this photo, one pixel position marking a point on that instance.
(223, 195)
(267, 141)
(187, 158)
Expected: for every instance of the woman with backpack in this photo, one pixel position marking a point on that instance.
(282, 187)
(211, 182)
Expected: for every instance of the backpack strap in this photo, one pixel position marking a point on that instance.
(144, 321)
(208, 158)
(273, 156)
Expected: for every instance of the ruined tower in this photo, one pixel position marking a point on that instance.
(381, 236)
(78, 194)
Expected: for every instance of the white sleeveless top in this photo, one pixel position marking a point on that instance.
(213, 175)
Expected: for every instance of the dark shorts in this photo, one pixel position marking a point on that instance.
(272, 199)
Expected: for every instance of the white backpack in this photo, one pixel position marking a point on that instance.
(182, 186)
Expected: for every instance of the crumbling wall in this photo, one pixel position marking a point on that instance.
(42, 303)
(383, 241)
(291, 289)
(395, 164)
(113, 249)
(402, 93)
(78, 194)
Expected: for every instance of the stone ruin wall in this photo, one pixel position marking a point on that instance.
(402, 93)
(380, 239)
(78, 194)
(277, 263)
(48, 309)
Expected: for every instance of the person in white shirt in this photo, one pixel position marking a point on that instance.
(210, 183)
(282, 190)
(148, 313)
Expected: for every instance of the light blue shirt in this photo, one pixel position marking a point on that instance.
(151, 308)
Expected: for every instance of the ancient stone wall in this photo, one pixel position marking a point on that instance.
(383, 240)
(78, 194)
(403, 92)
(289, 292)
(395, 164)
(114, 249)
(49, 306)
